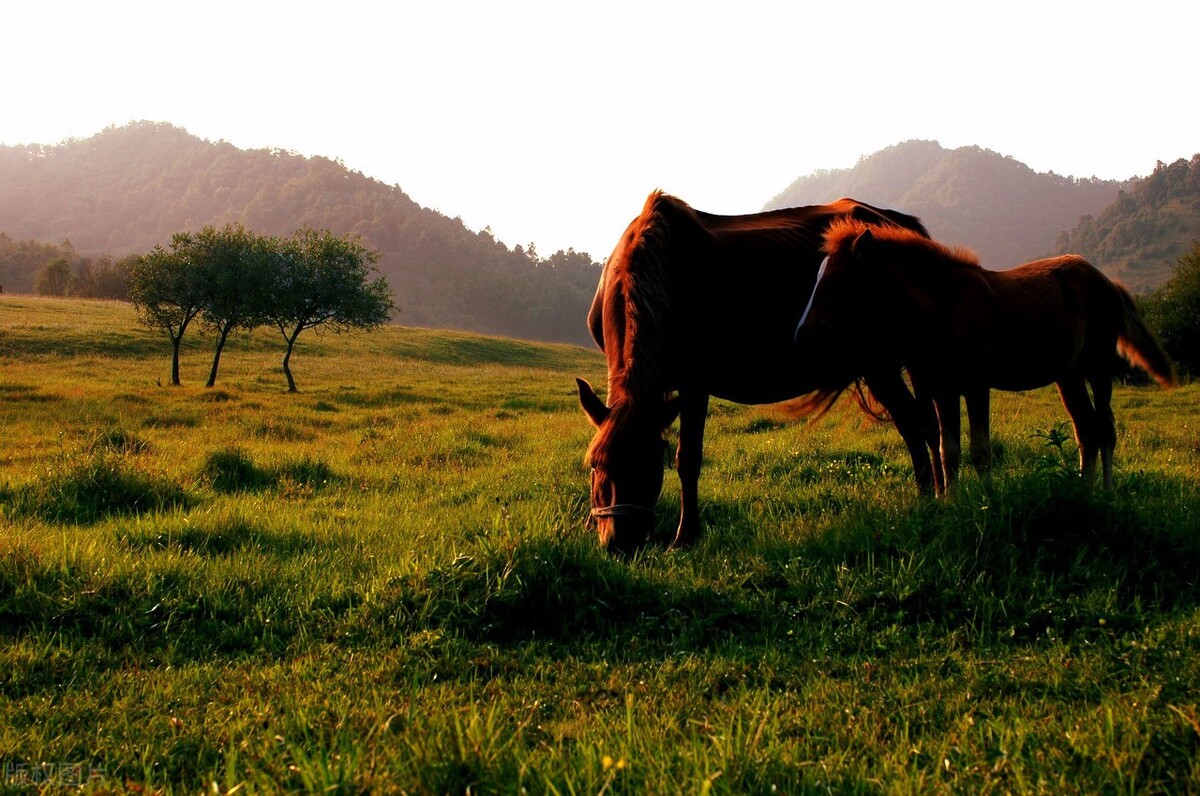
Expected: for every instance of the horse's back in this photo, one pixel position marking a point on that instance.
(1057, 313)
(1069, 277)
(735, 286)
(811, 221)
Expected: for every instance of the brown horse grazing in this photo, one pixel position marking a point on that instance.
(699, 305)
(889, 295)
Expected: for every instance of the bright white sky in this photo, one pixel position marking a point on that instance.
(551, 121)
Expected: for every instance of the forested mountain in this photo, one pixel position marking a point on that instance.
(127, 189)
(1140, 236)
(1000, 208)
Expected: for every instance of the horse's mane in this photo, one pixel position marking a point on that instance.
(843, 232)
(640, 291)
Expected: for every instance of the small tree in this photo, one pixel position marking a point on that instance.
(53, 278)
(83, 282)
(322, 280)
(167, 291)
(1174, 312)
(234, 266)
(113, 278)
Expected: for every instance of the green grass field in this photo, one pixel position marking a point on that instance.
(384, 583)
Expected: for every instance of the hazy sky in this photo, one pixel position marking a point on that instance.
(551, 121)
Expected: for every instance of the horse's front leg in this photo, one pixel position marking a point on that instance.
(979, 417)
(933, 438)
(891, 391)
(692, 415)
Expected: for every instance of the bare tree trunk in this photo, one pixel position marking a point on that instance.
(175, 341)
(287, 371)
(212, 376)
(290, 339)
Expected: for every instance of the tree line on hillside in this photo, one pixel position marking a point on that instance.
(231, 278)
(127, 189)
(50, 269)
(1173, 312)
(1149, 226)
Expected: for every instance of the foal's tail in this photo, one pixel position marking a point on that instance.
(1136, 344)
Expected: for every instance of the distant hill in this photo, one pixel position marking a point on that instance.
(1140, 236)
(129, 188)
(1002, 209)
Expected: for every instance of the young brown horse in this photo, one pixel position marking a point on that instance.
(886, 294)
(702, 305)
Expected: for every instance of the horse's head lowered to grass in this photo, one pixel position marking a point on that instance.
(627, 457)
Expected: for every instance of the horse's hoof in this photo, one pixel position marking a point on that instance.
(683, 541)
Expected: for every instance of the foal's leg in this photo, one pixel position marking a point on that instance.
(1106, 425)
(692, 415)
(1073, 392)
(933, 439)
(949, 420)
(980, 419)
(907, 417)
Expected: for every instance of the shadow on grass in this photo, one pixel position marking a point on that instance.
(389, 397)
(24, 393)
(452, 348)
(65, 343)
(225, 596)
(1006, 562)
(559, 591)
(1012, 559)
(233, 471)
(221, 537)
(92, 487)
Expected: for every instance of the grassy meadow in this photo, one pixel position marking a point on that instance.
(384, 583)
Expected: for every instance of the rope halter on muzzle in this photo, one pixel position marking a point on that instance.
(622, 510)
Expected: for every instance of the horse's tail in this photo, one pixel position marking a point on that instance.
(1136, 344)
(821, 401)
(867, 402)
(814, 403)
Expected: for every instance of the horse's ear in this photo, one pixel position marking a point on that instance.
(591, 403)
(863, 243)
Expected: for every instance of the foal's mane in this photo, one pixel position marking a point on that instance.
(897, 241)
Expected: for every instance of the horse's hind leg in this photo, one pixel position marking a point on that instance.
(1073, 392)
(1106, 425)
(907, 417)
(933, 438)
(950, 421)
(980, 419)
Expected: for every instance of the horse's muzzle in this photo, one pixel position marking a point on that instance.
(624, 528)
